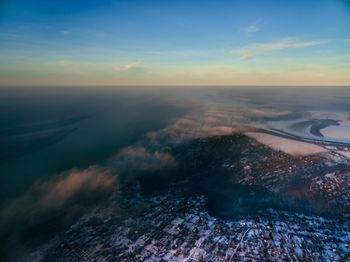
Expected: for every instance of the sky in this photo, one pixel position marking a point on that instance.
(127, 42)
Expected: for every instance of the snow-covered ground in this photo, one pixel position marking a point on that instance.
(288, 146)
(340, 132)
(344, 153)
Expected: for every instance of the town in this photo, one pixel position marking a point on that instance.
(177, 223)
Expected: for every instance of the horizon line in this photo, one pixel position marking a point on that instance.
(171, 85)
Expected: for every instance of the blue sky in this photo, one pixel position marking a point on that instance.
(174, 42)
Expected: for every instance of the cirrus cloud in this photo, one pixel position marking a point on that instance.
(126, 67)
(250, 30)
(252, 50)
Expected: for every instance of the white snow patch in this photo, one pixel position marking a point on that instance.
(341, 132)
(344, 153)
(288, 146)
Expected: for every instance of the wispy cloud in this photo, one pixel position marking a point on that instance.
(250, 51)
(127, 66)
(66, 32)
(9, 35)
(347, 40)
(66, 188)
(136, 159)
(69, 194)
(64, 62)
(251, 29)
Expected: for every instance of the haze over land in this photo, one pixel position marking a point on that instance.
(60, 162)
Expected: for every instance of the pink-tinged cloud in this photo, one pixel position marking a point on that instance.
(68, 185)
(135, 159)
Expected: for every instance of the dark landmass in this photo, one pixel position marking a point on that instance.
(229, 197)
